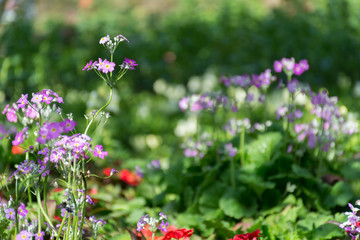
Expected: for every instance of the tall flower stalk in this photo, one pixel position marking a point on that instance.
(58, 147)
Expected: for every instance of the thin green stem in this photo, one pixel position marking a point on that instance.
(242, 144)
(68, 228)
(62, 225)
(43, 211)
(232, 173)
(103, 107)
(45, 204)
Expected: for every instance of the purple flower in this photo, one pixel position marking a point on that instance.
(243, 81)
(280, 112)
(68, 125)
(188, 152)
(250, 97)
(156, 164)
(129, 63)
(88, 66)
(298, 113)
(289, 148)
(98, 152)
(89, 200)
(141, 223)
(39, 235)
(262, 98)
(162, 216)
(10, 213)
(292, 85)
(230, 150)
(22, 210)
(24, 235)
(163, 226)
(139, 171)
(54, 130)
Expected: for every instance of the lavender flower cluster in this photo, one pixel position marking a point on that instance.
(154, 223)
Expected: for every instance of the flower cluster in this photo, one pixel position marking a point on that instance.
(327, 125)
(290, 67)
(206, 101)
(154, 223)
(236, 126)
(352, 225)
(247, 236)
(263, 80)
(96, 224)
(103, 67)
(111, 45)
(179, 234)
(53, 130)
(197, 148)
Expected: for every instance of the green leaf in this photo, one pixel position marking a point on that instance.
(261, 150)
(238, 203)
(209, 199)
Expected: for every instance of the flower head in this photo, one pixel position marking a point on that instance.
(247, 236)
(104, 40)
(98, 152)
(24, 235)
(129, 64)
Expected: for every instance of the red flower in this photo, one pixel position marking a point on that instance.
(57, 189)
(17, 150)
(57, 218)
(107, 171)
(177, 234)
(247, 236)
(357, 224)
(129, 177)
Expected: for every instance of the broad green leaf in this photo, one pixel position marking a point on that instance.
(238, 203)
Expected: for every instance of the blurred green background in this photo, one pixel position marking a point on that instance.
(181, 47)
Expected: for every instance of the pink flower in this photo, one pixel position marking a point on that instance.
(108, 66)
(98, 152)
(22, 101)
(278, 66)
(31, 112)
(184, 103)
(88, 66)
(24, 235)
(39, 235)
(11, 115)
(37, 98)
(104, 40)
(47, 99)
(22, 210)
(100, 64)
